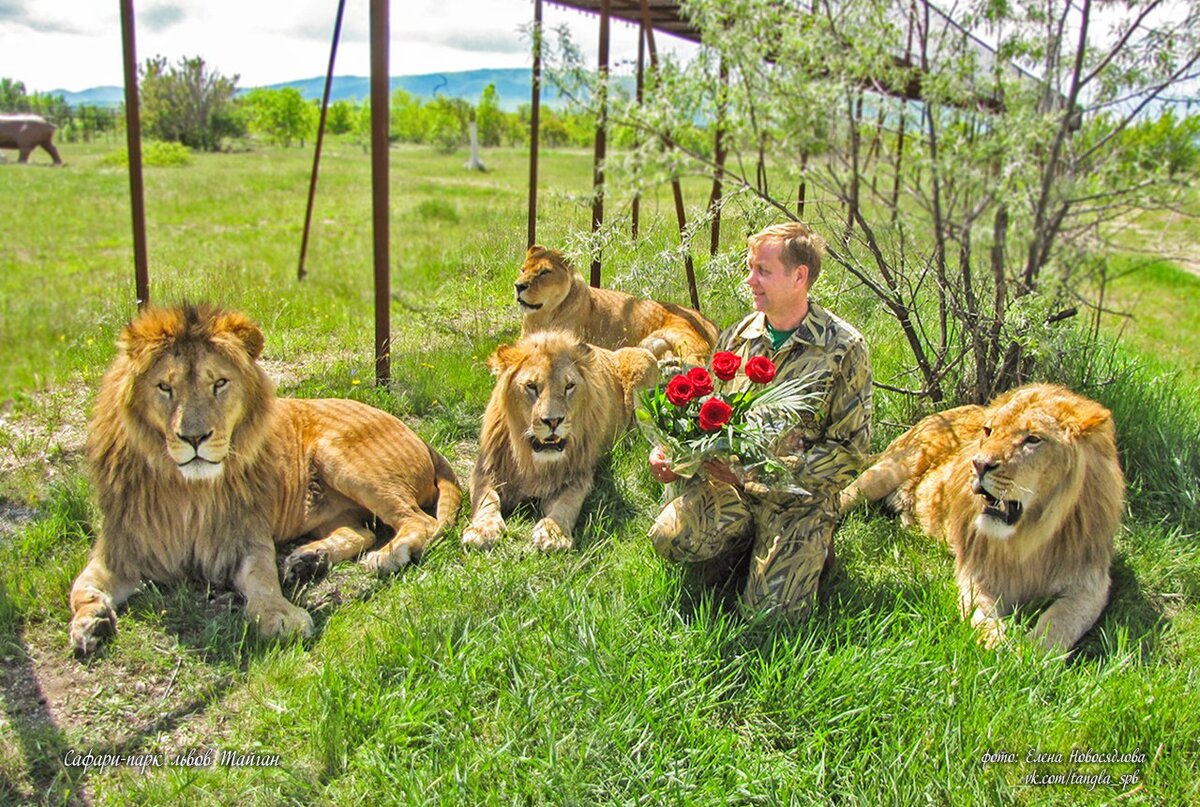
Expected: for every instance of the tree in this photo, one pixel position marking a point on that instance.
(188, 103)
(406, 121)
(281, 115)
(12, 95)
(489, 117)
(978, 216)
(446, 122)
(340, 117)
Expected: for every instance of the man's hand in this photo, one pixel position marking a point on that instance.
(660, 466)
(721, 472)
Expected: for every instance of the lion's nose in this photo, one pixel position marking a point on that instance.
(521, 287)
(552, 423)
(983, 466)
(194, 439)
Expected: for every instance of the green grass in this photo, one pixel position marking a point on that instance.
(588, 677)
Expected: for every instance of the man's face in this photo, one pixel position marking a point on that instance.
(778, 292)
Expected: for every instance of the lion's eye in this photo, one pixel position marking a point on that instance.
(1032, 440)
(987, 431)
(220, 384)
(531, 388)
(165, 389)
(570, 386)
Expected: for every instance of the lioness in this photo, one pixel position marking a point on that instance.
(200, 470)
(557, 406)
(553, 295)
(1028, 493)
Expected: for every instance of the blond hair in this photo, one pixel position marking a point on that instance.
(799, 246)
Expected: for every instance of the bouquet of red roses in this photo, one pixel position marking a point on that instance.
(694, 419)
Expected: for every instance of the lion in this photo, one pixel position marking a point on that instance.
(1028, 493)
(557, 406)
(199, 471)
(553, 295)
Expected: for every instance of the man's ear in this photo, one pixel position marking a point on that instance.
(802, 275)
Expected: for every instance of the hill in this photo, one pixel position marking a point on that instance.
(512, 84)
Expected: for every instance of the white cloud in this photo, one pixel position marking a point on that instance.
(78, 44)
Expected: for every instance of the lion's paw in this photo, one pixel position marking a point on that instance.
(482, 535)
(282, 619)
(990, 633)
(300, 567)
(548, 536)
(386, 561)
(89, 626)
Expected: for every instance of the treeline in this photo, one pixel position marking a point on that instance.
(190, 103)
(84, 122)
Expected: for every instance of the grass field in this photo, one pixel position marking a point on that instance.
(513, 677)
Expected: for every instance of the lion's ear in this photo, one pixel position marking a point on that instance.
(534, 250)
(505, 356)
(1087, 417)
(637, 368)
(244, 330)
(149, 331)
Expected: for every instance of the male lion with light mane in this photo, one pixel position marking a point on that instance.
(200, 470)
(557, 406)
(553, 295)
(1028, 493)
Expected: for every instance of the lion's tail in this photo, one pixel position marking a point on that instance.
(449, 493)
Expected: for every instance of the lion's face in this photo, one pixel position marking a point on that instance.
(544, 390)
(195, 402)
(1028, 454)
(191, 382)
(544, 280)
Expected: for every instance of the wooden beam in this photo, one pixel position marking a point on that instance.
(601, 142)
(133, 141)
(380, 93)
(534, 122)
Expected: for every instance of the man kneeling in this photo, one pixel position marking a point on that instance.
(715, 521)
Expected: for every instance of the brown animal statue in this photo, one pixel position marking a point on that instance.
(25, 133)
(554, 296)
(200, 471)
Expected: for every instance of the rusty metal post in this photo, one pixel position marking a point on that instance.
(379, 188)
(312, 182)
(601, 140)
(133, 140)
(534, 115)
(714, 201)
(676, 190)
(641, 89)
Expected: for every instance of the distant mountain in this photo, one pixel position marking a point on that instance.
(512, 85)
(96, 96)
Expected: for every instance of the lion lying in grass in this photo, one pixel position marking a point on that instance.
(557, 406)
(553, 295)
(1028, 493)
(200, 471)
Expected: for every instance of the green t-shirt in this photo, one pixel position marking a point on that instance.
(778, 337)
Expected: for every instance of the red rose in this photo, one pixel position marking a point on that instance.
(760, 370)
(725, 364)
(679, 391)
(714, 413)
(702, 382)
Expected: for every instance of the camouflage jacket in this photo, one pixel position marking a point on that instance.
(827, 447)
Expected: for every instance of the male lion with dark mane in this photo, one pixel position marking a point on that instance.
(553, 295)
(1028, 493)
(557, 406)
(200, 471)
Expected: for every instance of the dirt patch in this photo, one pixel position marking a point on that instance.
(1165, 240)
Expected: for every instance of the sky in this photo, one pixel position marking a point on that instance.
(76, 44)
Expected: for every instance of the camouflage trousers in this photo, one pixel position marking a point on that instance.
(788, 540)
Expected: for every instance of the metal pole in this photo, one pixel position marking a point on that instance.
(379, 187)
(133, 140)
(312, 182)
(535, 111)
(601, 141)
(641, 88)
(677, 191)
